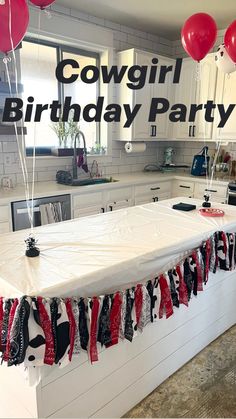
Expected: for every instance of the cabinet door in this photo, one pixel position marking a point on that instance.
(142, 200)
(163, 90)
(205, 90)
(113, 206)
(4, 228)
(164, 196)
(217, 192)
(141, 126)
(185, 93)
(85, 212)
(226, 95)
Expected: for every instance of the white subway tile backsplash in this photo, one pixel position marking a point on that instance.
(9, 146)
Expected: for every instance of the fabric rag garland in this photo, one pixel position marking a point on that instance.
(40, 331)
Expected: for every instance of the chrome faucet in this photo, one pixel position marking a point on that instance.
(84, 163)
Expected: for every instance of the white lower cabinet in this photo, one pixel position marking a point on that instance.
(87, 204)
(4, 219)
(152, 192)
(182, 188)
(85, 212)
(100, 202)
(116, 205)
(217, 192)
(4, 228)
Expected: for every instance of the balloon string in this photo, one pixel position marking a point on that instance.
(34, 144)
(21, 147)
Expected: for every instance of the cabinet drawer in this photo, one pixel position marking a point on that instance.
(219, 190)
(4, 228)
(119, 205)
(119, 194)
(87, 200)
(153, 189)
(164, 196)
(142, 200)
(4, 214)
(85, 212)
(182, 187)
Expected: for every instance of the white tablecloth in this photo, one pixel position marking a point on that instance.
(106, 252)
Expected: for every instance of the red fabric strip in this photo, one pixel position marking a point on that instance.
(93, 330)
(138, 301)
(115, 319)
(72, 327)
(199, 272)
(45, 323)
(11, 318)
(166, 301)
(183, 292)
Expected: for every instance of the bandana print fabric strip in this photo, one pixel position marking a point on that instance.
(45, 322)
(115, 319)
(94, 305)
(183, 293)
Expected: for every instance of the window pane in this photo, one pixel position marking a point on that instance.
(38, 64)
(83, 94)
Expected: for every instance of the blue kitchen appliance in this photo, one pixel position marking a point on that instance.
(200, 164)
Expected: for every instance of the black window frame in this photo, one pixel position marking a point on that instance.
(60, 49)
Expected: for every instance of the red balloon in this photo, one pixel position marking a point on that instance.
(42, 3)
(11, 37)
(198, 35)
(230, 41)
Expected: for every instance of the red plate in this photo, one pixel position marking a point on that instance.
(211, 212)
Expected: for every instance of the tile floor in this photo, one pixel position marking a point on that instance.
(205, 387)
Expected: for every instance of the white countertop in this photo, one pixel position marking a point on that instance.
(51, 188)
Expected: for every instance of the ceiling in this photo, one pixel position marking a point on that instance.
(163, 18)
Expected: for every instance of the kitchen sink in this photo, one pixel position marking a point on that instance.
(65, 178)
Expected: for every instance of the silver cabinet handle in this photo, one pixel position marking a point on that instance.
(153, 130)
(25, 210)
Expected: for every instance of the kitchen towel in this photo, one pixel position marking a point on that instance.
(51, 213)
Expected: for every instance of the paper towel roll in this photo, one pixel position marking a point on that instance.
(135, 147)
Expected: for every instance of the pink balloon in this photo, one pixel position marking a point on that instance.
(230, 41)
(42, 3)
(12, 35)
(199, 35)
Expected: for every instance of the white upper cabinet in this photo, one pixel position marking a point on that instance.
(185, 93)
(141, 129)
(196, 89)
(226, 95)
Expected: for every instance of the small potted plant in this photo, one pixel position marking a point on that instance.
(98, 149)
(66, 133)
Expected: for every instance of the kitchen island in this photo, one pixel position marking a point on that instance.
(104, 254)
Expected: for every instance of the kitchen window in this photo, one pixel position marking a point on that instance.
(38, 65)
